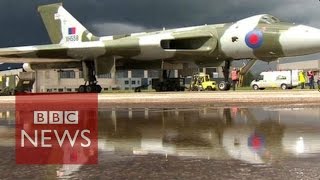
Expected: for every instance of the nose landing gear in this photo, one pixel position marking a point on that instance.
(225, 85)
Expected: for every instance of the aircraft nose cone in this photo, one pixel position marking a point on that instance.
(300, 40)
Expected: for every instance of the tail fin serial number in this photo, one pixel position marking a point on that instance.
(72, 38)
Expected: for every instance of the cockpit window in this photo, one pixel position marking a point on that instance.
(268, 19)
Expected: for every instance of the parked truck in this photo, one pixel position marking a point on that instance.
(12, 84)
(7, 85)
(282, 79)
(169, 84)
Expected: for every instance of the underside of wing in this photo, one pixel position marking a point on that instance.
(52, 52)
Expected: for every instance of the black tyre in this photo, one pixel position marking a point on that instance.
(255, 87)
(82, 89)
(283, 86)
(98, 89)
(228, 86)
(209, 88)
(224, 86)
(90, 89)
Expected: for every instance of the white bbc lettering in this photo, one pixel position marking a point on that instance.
(66, 133)
(56, 117)
(71, 117)
(43, 138)
(33, 142)
(40, 117)
(86, 138)
(49, 137)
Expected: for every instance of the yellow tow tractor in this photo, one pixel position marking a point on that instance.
(201, 82)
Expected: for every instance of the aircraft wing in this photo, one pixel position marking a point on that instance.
(154, 46)
(52, 52)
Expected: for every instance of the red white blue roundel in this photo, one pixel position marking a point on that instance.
(254, 39)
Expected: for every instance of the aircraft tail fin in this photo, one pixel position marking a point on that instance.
(62, 27)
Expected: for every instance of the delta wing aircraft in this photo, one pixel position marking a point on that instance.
(262, 37)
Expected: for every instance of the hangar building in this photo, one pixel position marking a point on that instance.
(69, 80)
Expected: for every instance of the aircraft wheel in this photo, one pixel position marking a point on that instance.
(228, 86)
(82, 89)
(98, 88)
(224, 86)
(90, 88)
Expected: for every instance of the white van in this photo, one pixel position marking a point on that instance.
(282, 79)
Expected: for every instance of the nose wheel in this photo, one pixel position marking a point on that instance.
(225, 85)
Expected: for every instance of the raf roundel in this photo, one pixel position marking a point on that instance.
(254, 39)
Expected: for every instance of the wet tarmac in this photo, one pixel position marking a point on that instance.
(273, 142)
(183, 99)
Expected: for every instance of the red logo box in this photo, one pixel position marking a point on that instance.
(57, 129)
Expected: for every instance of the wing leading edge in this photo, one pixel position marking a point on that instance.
(53, 52)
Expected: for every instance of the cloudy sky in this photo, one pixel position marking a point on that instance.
(22, 25)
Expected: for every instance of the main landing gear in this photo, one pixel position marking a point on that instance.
(93, 88)
(89, 74)
(225, 85)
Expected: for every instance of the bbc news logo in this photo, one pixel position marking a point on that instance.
(56, 129)
(55, 117)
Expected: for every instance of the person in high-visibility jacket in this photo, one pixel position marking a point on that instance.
(310, 75)
(234, 78)
(302, 79)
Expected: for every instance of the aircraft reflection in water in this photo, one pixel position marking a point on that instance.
(251, 135)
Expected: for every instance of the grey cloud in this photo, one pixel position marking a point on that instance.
(22, 25)
(117, 28)
(300, 12)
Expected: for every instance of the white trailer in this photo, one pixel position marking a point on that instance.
(283, 79)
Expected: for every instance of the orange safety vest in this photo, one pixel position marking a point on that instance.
(234, 75)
